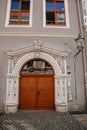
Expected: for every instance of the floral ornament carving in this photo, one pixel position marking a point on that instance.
(62, 90)
(61, 63)
(37, 47)
(10, 64)
(58, 91)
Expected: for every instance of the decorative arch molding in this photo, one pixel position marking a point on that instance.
(18, 58)
(43, 56)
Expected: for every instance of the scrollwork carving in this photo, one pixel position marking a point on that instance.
(61, 63)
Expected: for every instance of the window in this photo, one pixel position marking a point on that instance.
(37, 66)
(19, 12)
(84, 6)
(55, 12)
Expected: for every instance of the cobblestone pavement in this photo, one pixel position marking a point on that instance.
(82, 118)
(39, 120)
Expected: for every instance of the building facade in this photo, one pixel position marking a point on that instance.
(84, 28)
(39, 68)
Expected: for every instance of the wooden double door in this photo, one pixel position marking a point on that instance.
(36, 92)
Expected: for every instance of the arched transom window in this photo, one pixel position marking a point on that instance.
(37, 66)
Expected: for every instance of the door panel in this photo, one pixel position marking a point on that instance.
(46, 93)
(27, 95)
(36, 92)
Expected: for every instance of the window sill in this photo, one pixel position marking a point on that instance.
(19, 26)
(55, 26)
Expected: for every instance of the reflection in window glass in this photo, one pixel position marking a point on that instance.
(20, 10)
(50, 18)
(60, 19)
(49, 5)
(25, 5)
(15, 4)
(14, 17)
(59, 6)
(55, 12)
(25, 17)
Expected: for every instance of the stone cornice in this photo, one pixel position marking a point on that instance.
(36, 34)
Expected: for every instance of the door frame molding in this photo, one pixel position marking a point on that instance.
(16, 61)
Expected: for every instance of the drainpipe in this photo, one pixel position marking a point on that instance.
(80, 19)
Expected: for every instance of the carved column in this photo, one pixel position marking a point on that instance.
(12, 88)
(12, 93)
(61, 83)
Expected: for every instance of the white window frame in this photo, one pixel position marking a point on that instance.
(57, 26)
(8, 15)
(84, 6)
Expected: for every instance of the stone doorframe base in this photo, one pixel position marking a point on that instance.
(17, 59)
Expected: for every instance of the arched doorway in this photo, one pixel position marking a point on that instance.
(36, 86)
(19, 58)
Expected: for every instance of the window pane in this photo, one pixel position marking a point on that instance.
(59, 6)
(50, 18)
(15, 5)
(60, 18)
(14, 17)
(25, 17)
(37, 67)
(49, 5)
(25, 5)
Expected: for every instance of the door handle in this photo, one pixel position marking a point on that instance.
(38, 92)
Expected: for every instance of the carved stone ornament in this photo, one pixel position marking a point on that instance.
(19, 57)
